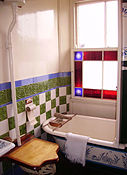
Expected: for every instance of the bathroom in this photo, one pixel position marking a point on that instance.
(42, 67)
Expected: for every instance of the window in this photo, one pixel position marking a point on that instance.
(97, 24)
(96, 61)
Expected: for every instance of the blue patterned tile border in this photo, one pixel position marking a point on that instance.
(41, 78)
(4, 86)
(111, 157)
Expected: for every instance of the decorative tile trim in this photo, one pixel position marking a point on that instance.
(110, 157)
(4, 86)
(28, 81)
(34, 86)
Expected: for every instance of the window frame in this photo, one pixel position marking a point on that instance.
(74, 48)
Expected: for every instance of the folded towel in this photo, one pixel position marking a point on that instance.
(75, 148)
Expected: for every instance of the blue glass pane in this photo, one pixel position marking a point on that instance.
(78, 91)
(78, 56)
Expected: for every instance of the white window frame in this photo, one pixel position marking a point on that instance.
(73, 4)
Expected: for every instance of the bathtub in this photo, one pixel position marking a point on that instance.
(101, 147)
(100, 131)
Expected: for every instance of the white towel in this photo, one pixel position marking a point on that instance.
(75, 148)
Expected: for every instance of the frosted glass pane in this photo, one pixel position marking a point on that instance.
(112, 24)
(90, 23)
(92, 74)
(110, 75)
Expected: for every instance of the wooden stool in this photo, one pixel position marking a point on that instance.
(36, 156)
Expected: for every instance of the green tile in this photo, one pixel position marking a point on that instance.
(11, 122)
(53, 103)
(68, 90)
(67, 107)
(20, 92)
(28, 90)
(3, 113)
(57, 109)
(22, 129)
(45, 85)
(48, 96)
(32, 132)
(8, 91)
(38, 122)
(35, 87)
(42, 108)
(3, 97)
(52, 83)
(21, 106)
(48, 114)
(41, 86)
(4, 135)
(36, 100)
(57, 92)
(62, 100)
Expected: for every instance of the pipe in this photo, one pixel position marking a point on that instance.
(10, 54)
(119, 72)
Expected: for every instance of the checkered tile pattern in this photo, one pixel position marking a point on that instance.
(47, 103)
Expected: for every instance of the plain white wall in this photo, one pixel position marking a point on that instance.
(40, 39)
(64, 35)
(94, 107)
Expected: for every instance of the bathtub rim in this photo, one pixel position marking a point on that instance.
(48, 130)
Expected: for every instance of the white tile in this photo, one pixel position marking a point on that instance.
(10, 111)
(4, 127)
(53, 111)
(37, 111)
(68, 98)
(62, 91)
(63, 108)
(57, 101)
(42, 118)
(29, 127)
(42, 98)
(53, 94)
(37, 132)
(21, 118)
(48, 106)
(12, 134)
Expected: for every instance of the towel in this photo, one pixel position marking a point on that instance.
(75, 148)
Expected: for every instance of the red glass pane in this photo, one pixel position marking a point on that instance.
(92, 55)
(109, 94)
(110, 55)
(78, 74)
(94, 93)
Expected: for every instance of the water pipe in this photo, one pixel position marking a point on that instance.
(119, 73)
(11, 66)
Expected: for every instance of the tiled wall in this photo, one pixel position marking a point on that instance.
(50, 94)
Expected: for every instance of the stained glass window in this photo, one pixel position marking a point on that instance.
(96, 74)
